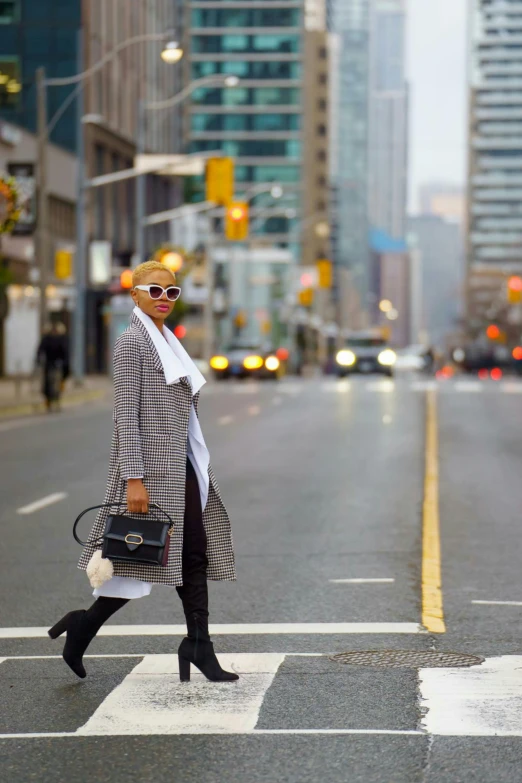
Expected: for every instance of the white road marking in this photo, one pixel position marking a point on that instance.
(232, 630)
(498, 603)
(254, 410)
(341, 386)
(252, 732)
(385, 387)
(512, 387)
(468, 386)
(151, 699)
(422, 386)
(361, 581)
(225, 420)
(42, 503)
(245, 388)
(483, 701)
(277, 401)
(387, 419)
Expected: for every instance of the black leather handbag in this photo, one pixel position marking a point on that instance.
(130, 540)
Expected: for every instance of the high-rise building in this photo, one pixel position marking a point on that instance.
(495, 145)
(260, 121)
(348, 20)
(388, 126)
(445, 200)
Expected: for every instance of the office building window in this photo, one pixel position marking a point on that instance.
(323, 78)
(321, 130)
(9, 11)
(220, 44)
(243, 17)
(249, 70)
(253, 148)
(322, 52)
(321, 156)
(202, 123)
(320, 206)
(245, 96)
(321, 104)
(321, 182)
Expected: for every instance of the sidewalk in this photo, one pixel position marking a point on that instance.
(22, 396)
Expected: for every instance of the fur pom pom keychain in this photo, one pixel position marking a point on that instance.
(99, 569)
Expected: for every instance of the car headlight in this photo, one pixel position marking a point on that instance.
(387, 358)
(219, 362)
(272, 363)
(346, 358)
(253, 363)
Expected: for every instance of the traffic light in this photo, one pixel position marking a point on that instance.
(63, 264)
(219, 179)
(236, 221)
(126, 279)
(306, 297)
(324, 273)
(514, 290)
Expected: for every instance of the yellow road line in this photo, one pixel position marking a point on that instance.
(432, 604)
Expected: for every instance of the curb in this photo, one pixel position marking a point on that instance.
(34, 408)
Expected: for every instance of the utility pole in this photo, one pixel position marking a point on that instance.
(208, 313)
(79, 317)
(41, 234)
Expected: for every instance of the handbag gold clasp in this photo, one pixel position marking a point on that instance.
(138, 539)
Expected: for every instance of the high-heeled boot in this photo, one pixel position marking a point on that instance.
(196, 648)
(81, 627)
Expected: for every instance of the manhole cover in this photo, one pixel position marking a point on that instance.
(411, 659)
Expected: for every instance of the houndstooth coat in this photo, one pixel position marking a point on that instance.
(150, 439)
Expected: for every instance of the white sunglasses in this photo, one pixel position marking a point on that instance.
(173, 292)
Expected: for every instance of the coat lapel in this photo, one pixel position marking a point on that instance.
(137, 324)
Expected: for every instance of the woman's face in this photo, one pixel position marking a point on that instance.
(155, 308)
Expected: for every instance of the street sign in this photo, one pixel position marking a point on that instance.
(324, 272)
(63, 264)
(100, 259)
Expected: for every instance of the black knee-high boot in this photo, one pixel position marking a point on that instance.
(196, 648)
(81, 627)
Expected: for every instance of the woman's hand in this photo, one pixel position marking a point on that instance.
(137, 497)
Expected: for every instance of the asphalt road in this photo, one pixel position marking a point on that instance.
(324, 481)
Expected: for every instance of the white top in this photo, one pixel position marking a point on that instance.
(176, 364)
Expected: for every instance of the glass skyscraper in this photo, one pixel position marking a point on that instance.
(259, 122)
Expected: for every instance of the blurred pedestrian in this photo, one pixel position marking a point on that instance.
(158, 456)
(53, 358)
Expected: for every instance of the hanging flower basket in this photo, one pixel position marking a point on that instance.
(10, 209)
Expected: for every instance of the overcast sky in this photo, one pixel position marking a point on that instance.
(437, 72)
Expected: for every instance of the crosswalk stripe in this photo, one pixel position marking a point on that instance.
(244, 629)
(468, 386)
(482, 701)
(151, 699)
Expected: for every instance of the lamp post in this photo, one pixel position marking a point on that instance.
(44, 129)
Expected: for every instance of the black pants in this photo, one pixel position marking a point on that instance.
(194, 592)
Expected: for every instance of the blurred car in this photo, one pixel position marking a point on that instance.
(365, 353)
(240, 360)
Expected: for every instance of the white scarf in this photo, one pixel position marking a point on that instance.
(177, 364)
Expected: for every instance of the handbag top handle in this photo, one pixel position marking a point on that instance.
(110, 505)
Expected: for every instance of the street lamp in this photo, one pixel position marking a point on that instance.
(43, 130)
(172, 53)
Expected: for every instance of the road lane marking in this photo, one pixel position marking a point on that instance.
(225, 420)
(151, 699)
(291, 388)
(252, 732)
(42, 503)
(512, 387)
(340, 387)
(498, 603)
(232, 629)
(246, 388)
(423, 386)
(468, 386)
(432, 604)
(385, 387)
(482, 701)
(277, 401)
(361, 581)
(387, 419)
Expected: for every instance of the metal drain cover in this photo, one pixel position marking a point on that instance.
(411, 659)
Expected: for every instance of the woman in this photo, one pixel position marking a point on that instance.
(158, 455)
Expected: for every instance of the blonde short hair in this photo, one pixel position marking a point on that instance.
(149, 266)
